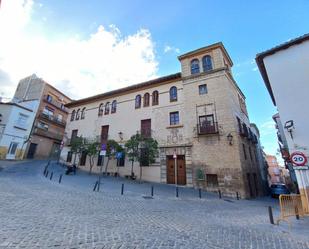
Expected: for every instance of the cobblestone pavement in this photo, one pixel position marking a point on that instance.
(36, 212)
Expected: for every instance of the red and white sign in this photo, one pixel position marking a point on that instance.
(298, 158)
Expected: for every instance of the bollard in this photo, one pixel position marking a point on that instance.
(46, 174)
(122, 188)
(271, 217)
(51, 175)
(95, 186)
(219, 192)
(151, 190)
(98, 186)
(177, 191)
(237, 196)
(60, 178)
(200, 193)
(296, 213)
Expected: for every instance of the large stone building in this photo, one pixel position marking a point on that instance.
(199, 114)
(49, 124)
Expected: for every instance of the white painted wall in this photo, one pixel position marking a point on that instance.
(288, 73)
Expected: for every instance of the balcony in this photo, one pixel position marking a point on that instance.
(48, 134)
(243, 131)
(52, 119)
(207, 128)
(55, 104)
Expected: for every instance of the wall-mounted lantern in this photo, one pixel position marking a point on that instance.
(230, 138)
(120, 135)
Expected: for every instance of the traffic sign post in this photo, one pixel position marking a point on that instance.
(298, 158)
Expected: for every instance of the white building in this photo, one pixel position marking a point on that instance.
(285, 71)
(16, 120)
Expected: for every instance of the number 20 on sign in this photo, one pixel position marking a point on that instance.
(298, 158)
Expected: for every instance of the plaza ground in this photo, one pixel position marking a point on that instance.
(36, 212)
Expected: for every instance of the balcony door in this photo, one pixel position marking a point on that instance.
(146, 128)
(104, 134)
(207, 124)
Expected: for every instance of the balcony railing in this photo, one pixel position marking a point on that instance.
(48, 134)
(206, 128)
(52, 119)
(56, 103)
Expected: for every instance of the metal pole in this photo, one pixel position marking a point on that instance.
(271, 217)
(200, 193)
(122, 188)
(151, 190)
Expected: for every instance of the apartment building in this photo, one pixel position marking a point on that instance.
(50, 119)
(16, 121)
(198, 116)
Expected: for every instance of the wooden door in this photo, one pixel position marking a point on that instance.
(31, 151)
(170, 170)
(181, 170)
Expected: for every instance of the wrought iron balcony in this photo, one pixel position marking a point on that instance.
(55, 103)
(48, 134)
(207, 128)
(52, 119)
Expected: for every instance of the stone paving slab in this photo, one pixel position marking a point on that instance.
(36, 212)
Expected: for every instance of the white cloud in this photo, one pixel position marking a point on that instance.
(168, 48)
(268, 128)
(80, 67)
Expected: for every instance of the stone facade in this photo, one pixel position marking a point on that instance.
(207, 136)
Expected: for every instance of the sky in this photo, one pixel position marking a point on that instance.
(89, 47)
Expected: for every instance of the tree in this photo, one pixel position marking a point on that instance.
(112, 148)
(141, 149)
(77, 146)
(92, 148)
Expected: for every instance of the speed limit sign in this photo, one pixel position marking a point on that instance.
(298, 158)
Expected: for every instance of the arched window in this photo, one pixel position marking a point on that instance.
(101, 109)
(106, 111)
(155, 98)
(114, 106)
(138, 100)
(77, 114)
(73, 115)
(82, 116)
(173, 94)
(146, 99)
(195, 66)
(207, 63)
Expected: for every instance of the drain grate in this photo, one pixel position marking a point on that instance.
(147, 197)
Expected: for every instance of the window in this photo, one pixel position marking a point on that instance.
(73, 115)
(155, 98)
(106, 111)
(244, 149)
(22, 120)
(202, 89)
(101, 108)
(146, 99)
(173, 94)
(12, 148)
(42, 126)
(207, 63)
(144, 157)
(250, 153)
(48, 111)
(83, 158)
(146, 128)
(69, 156)
(49, 98)
(212, 180)
(74, 134)
(114, 106)
(77, 114)
(138, 100)
(195, 66)
(174, 118)
(239, 125)
(59, 117)
(82, 116)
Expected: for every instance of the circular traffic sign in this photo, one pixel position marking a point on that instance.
(298, 158)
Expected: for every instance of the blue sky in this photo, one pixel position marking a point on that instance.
(173, 27)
